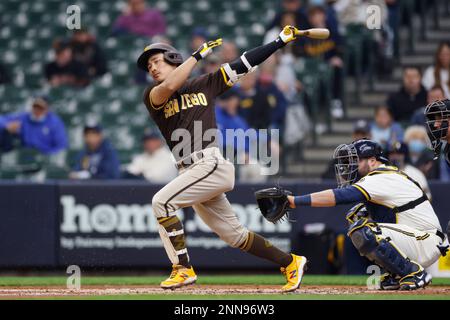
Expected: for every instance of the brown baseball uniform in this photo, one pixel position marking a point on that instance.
(203, 183)
(187, 122)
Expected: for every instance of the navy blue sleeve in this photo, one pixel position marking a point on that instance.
(109, 167)
(348, 195)
(78, 159)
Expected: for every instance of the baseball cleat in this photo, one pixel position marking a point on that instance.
(415, 280)
(294, 273)
(389, 282)
(180, 277)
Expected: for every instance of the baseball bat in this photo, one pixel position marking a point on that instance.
(314, 33)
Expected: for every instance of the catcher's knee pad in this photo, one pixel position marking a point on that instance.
(363, 237)
(366, 239)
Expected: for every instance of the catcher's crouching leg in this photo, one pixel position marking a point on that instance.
(366, 238)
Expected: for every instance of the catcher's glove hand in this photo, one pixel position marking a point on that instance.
(206, 49)
(273, 203)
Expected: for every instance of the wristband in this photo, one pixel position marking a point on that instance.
(302, 200)
(197, 56)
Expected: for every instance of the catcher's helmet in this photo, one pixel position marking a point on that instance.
(437, 116)
(347, 156)
(368, 148)
(171, 55)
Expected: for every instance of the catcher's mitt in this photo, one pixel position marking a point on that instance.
(273, 203)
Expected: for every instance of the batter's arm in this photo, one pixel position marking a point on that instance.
(175, 80)
(249, 60)
(328, 198)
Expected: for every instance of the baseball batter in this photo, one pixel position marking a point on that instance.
(394, 224)
(183, 109)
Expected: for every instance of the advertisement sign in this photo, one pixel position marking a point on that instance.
(27, 225)
(113, 225)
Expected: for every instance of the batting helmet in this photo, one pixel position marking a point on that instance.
(437, 112)
(347, 156)
(171, 55)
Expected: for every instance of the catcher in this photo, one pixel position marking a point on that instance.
(179, 105)
(393, 223)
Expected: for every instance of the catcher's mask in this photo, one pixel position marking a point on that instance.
(171, 55)
(437, 116)
(347, 156)
(346, 164)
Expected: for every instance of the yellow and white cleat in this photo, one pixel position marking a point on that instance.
(294, 273)
(180, 277)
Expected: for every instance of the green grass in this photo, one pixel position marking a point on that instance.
(271, 279)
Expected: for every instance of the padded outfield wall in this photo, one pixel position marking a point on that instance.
(110, 224)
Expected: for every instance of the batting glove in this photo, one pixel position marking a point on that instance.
(206, 49)
(288, 34)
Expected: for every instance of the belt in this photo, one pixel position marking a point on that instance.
(189, 160)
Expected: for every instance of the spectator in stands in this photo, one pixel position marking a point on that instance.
(99, 160)
(435, 93)
(353, 16)
(39, 129)
(295, 7)
(212, 63)
(398, 154)
(439, 74)
(198, 37)
(394, 13)
(420, 155)
(329, 50)
(355, 11)
(87, 51)
(262, 104)
(417, 140)
(384, 129)
(228, 51)
(156, 163)
(140, 20)
(285, 76)
(228, 120)
(411, 96)
(65, 71)
(5, 77)
(285, 19)
(361, 130)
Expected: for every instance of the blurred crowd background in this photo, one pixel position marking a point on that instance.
(71, 100)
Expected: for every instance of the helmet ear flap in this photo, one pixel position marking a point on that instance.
(174, 58)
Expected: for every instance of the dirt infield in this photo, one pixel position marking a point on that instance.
(55, 291)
